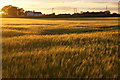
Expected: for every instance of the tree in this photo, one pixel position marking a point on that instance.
(20, 11)
(12, 10)
(5, 9)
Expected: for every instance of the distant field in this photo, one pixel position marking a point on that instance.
(63, 47)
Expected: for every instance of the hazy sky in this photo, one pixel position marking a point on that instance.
(63, 6)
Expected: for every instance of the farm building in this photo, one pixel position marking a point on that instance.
(33, 13)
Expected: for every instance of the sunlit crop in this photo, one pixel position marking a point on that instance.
(69, 48)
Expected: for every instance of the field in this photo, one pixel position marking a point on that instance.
(60, 48)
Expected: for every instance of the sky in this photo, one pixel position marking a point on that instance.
(63, 6)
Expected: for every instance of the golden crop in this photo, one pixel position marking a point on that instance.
(57, 48)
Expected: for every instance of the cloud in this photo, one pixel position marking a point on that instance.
(64, 8)
(65, 5)
(110, 3)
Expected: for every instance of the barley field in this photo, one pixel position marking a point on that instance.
(60, 47)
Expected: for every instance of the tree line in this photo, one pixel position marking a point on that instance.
(14, 11)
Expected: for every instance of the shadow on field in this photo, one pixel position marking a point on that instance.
(39, 44)
(35, 44)
(69, 31)
(107, 27)
(74, 19)
(30, 24)
(16, 28)
(11, 34)
(78, 29)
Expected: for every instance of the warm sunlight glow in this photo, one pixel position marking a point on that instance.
(1, 12)
(63, 6)
(6, 2)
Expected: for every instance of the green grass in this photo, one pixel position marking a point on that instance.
(41, 48)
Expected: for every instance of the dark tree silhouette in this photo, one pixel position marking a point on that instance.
(5, 8)
(12, 10)
(20, 11)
